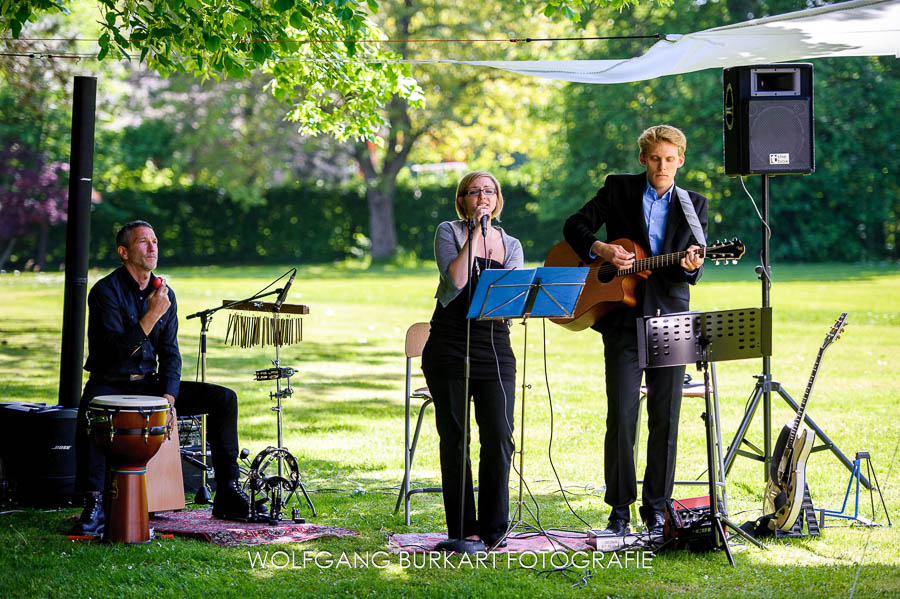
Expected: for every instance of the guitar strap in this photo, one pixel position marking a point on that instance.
(691, 215)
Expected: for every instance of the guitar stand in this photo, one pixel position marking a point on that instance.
(701, 338)
(856, 474)
(807, 515)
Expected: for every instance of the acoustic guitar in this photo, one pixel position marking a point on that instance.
(787, 474)
(608, 287)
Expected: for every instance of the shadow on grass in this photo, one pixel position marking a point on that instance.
(306, 353)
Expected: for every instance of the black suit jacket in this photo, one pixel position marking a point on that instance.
(619, 206)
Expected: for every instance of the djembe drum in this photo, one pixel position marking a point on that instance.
(129, 430)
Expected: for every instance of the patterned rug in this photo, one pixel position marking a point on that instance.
(200, 524)
(517, 542)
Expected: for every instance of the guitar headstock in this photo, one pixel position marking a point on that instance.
(836, 329)
(726, 250)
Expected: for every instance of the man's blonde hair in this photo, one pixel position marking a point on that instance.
(660, 133)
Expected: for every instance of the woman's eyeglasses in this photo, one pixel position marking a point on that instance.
(488, 191)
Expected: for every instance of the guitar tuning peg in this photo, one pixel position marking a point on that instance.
(734, 261)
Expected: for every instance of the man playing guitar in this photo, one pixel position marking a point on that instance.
(650, 210)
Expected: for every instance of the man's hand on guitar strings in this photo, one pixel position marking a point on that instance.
(614, 254)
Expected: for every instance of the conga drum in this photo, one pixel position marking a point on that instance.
(129, 430)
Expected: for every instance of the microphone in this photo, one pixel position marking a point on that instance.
(484, 220)
(283, 295)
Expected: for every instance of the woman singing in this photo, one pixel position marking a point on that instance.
(492, 363)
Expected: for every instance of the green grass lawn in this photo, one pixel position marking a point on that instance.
(345, 425)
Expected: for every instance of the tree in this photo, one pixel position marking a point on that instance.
(33, 151)
(33, 197)
(315, 51)
(474, 115)
(183, 132)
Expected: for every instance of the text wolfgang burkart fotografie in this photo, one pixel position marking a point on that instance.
(278, 560)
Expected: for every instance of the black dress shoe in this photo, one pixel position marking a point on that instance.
(92, 520)
(617, 526)
(654, 522)
(231, 503)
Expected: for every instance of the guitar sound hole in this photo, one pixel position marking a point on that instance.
(605, 276)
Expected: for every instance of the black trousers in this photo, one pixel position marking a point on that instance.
(623, 383)
(217, 402)
(494, 415)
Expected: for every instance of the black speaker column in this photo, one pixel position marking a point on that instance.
(768, 119)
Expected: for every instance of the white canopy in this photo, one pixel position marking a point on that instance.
(856, 28)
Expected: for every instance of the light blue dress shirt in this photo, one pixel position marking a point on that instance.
(656, 213)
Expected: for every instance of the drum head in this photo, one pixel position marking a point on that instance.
(130, 402)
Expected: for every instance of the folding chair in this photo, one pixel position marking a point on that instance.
(416, 336)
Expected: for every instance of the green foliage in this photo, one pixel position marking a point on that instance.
(310, 49)
(302, 224)
(846, 210)
(333, 87)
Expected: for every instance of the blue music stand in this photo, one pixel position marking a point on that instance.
(545, 292)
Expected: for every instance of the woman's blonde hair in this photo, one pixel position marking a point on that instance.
(463, 188)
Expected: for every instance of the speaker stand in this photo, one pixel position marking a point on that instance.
(764, 383)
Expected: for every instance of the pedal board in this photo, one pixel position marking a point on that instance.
(689, 524)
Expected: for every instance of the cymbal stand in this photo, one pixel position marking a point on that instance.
(203, 493)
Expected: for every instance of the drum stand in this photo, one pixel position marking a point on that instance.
(701, 338)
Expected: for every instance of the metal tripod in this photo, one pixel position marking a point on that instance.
(765, 386)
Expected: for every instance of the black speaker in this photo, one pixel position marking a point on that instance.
(38, 453)
(768, 119)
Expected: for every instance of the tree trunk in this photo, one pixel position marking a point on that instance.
(42, 247)
(7, 252)
(382, 230)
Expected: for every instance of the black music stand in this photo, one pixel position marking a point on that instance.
(545, 292)
(702, 338)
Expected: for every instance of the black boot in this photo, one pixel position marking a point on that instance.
(92, 519)
(231, 503)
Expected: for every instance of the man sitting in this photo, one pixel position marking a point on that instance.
(133, 349)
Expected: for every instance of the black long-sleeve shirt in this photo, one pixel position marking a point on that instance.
(117, 344)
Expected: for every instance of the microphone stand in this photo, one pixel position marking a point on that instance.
(460, 544)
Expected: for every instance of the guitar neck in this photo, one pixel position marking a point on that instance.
(660, 261)
(801, 413)
(833, 335)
